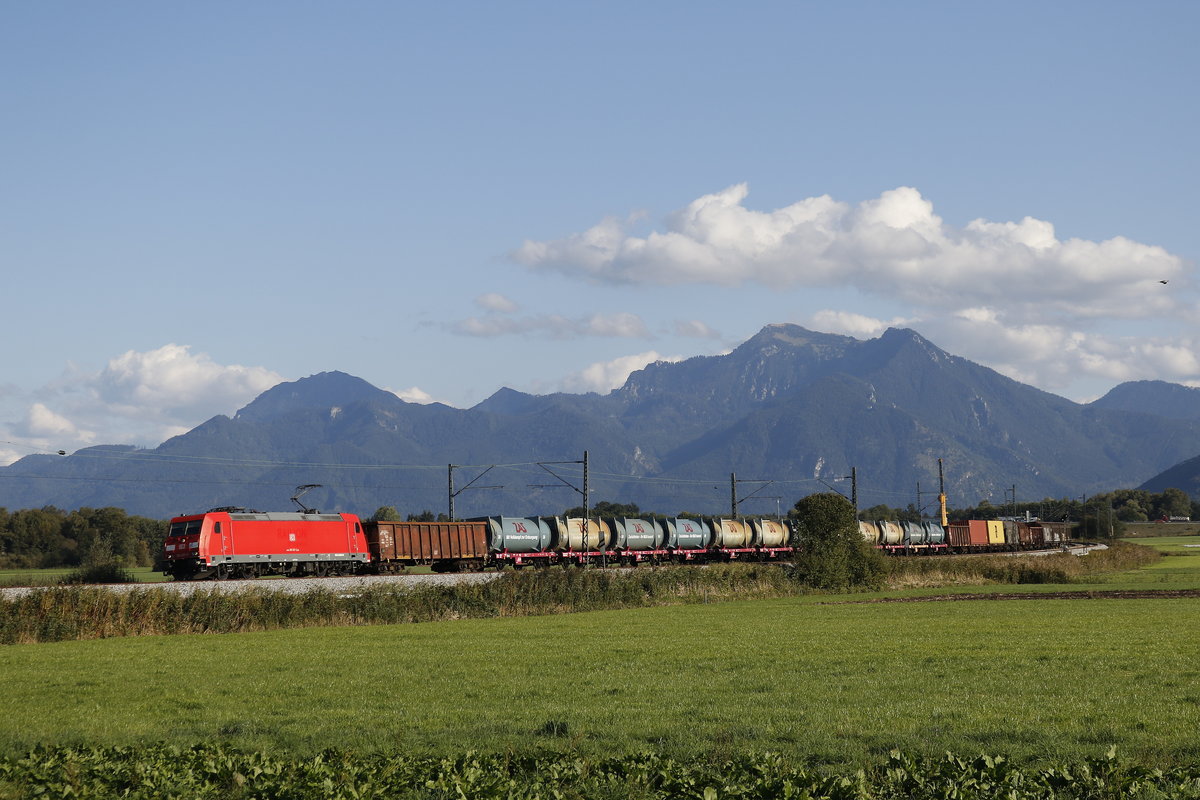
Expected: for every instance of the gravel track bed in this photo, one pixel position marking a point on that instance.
(286, 585)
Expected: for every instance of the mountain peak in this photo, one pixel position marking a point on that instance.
(323, 390)
(1170, 400)
(507, 401)
(897, 340)
(794, 336)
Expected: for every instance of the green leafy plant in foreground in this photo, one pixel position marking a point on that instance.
(214, 772)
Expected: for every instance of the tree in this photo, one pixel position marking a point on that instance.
(606, 509)
(49, 537)
(384, 514)
(1174, 503)
(1132, 511)
(833, 554)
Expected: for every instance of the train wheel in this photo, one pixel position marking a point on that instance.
(221, 573)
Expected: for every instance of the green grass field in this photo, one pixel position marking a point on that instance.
(50, 577)
(839, 683)
(1181, 570)
(823, 678)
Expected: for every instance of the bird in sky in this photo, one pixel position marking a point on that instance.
(1162, 282)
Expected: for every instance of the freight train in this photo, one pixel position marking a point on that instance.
(235, 543)
(967, 536)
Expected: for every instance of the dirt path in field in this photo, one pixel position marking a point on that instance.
(1115, 594)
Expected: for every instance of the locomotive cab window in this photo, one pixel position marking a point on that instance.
(189, 528)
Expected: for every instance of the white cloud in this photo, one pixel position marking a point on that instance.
(1056, 357)
(172, 384)
(618, 325)
(140, 398)
(414, 394)
(856, 325)
(892, 246)
(604, 376)
(10, 454)
(496, 302)
(695, 329)
(1009, 294)
(43, 424)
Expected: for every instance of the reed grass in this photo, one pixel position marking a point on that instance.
(86, 612)
(1060, 568)
(57, 614)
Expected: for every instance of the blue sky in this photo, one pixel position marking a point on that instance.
(198, 201)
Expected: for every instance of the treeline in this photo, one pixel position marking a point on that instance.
(51, 537)
(1122, 505)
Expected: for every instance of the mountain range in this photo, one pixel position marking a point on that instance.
(789, 412)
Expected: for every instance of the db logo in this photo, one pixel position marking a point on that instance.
(519, 527)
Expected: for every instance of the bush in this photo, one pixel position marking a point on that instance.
(833, 554)
(105, 572)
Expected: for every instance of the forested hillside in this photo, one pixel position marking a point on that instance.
(50, 537)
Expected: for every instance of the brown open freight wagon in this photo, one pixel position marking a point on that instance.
(448, 546)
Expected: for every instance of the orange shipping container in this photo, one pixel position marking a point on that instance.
(979, 532)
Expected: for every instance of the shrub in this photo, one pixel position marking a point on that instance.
(833, 554)
(104, 572)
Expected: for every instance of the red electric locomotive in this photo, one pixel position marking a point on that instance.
(235, 543)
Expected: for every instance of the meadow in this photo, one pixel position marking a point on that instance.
(53, 576)
(1179, 570)
(835, 682)
(840, 682)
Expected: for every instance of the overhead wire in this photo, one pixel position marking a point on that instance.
(690, 486)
